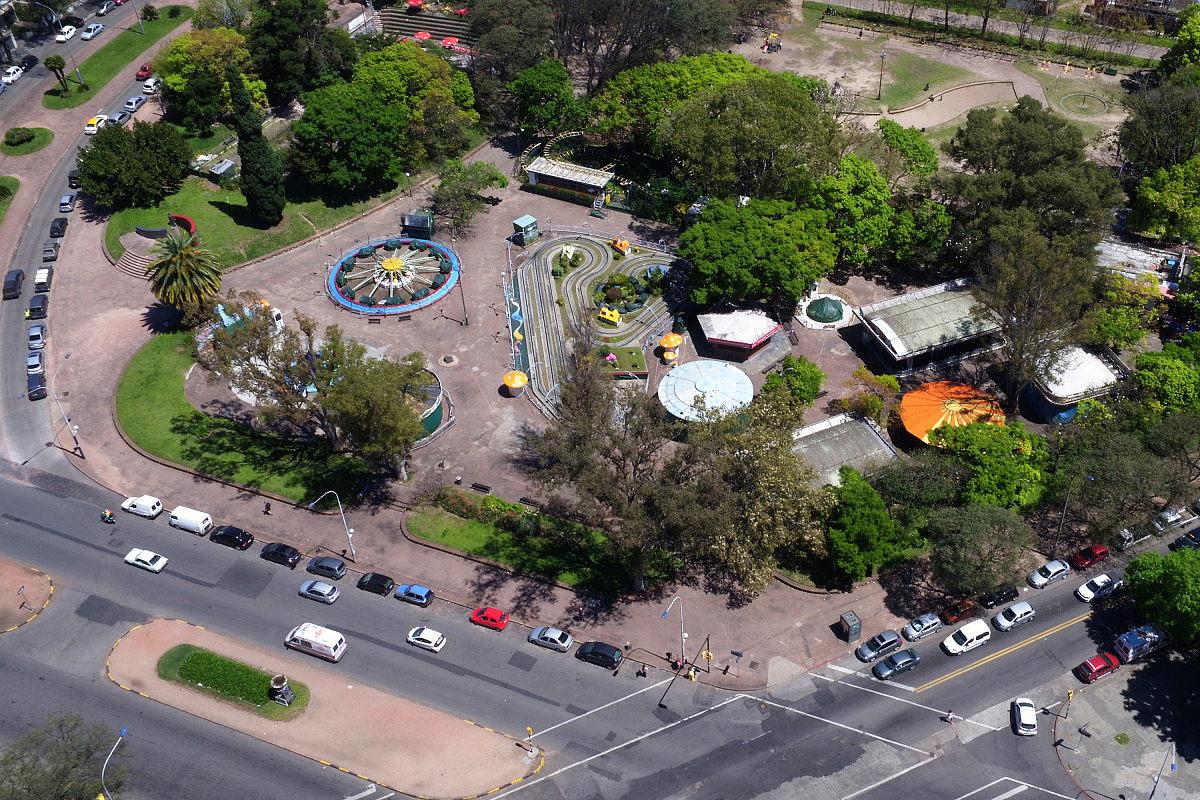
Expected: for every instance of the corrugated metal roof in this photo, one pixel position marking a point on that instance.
(570, 172)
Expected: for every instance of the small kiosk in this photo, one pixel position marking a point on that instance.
(525, 230)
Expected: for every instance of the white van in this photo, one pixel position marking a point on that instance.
(317, 641)
(42, 279)
(144, 506)
(968, 637)
(189, 519)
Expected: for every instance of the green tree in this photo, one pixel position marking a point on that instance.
(545, 98)
(184, 273)
(1186, 50)
(262, 180)
(457, 198)
(858, 203)
(1006, 463)
(294, 50)
(58, 66)
(61, 761)
(875, 398)
(375, 407)
(977, 548)
(919, 230)
(862, 535)
(510, 36)
(1167, 591)
(1167, 203)
(233, 14)
(762, 136)
(200, 106)
(904, 153)
(1127, 311)
(913, 487)
(767, 249)
(1167, 383)
(800, 378)
(194, 69)
(123, 167)
(1163, 126)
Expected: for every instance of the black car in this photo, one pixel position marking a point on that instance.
(35, 387)
(73, 179)
(1000, 597)
(283, 554)
(601, 654)
(328, 567)
(376, 583)
(39, 307)
(73, 21)
(12, 283)
(58, 228)
(1191, 539)
(28, 62)
(230, 536)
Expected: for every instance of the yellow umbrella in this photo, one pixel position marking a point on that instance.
(671, 341)
(947, 403)
(669, 356)
(515, 379)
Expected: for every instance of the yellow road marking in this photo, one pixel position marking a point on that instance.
(1005, 651)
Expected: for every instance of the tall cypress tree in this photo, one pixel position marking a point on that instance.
(262, 165)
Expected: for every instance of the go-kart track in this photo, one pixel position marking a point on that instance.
(538, 324)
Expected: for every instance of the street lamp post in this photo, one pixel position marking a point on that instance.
(881, 58)
(682, 632)
(74, 429)
(349, 530)
(120, 738)
(58, 22)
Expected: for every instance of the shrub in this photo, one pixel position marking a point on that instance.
(226, 677)
(149, 13)
(18, 136)
(174, 11)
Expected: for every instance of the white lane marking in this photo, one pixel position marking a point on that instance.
(599, 708)
(843, 670)
(843, 726)
(367, 791)
(901, 700)
(1010, 793)
(892, 777)
(1022, 784)
(615, 748)
(870, 676)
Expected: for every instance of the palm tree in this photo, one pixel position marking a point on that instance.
(57, 65)
(184, 273)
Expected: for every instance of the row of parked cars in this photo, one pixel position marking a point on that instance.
(121, 116)
(328, 644)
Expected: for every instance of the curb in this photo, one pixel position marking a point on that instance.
(37, 612)
(108, 674)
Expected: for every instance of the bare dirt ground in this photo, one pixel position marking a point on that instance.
(24, 592)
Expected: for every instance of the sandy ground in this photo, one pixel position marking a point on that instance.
(451, 757)
(24, 592)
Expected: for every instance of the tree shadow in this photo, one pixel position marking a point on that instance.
(1167, 675)
(161, 318)
(909, 589)
(301, 191)
(241, 215)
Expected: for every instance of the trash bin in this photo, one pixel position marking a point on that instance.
(851, 626)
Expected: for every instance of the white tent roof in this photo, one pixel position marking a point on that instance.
(1080, 375)
(698, 387)
(744, 328)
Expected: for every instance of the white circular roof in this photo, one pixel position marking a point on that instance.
(691, 390)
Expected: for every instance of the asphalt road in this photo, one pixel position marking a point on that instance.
(829, 734)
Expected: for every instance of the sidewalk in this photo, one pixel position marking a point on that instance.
(1118, 735)
(450, 758)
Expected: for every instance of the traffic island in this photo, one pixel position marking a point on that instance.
(452, 758)
(271, 696)
(26, 591)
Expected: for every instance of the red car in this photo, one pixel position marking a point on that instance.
(490, 617)
(1097, 667)
(1092, 554)
(144, 71)
(958, 612)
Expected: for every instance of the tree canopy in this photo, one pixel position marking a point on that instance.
(1167, 203)
(1163, 126)
(194, 67)
(1006, 464)
(1167, 591)
(457, 198)
(857, 201)
(134, 167)
(375, 408)
(545, 98)
(183, 273)
(798, 377)
(261, 178)
(1186, 50)
(977, 548)
(904, 153)
(61, 761)
(295, 50)
(862, 535)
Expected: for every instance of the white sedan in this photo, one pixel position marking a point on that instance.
(64, 33)
(426, 639)
(12, 74)
(91, 31)
(146, 560)
(1099, 586)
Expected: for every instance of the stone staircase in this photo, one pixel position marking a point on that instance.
(132, 263)
(396, 22)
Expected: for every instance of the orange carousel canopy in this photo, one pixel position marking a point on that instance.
(671, 340)
(947, 403)
(515, 379)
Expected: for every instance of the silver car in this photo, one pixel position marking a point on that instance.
(320, 591)
(921, 627)
(878, 645)
(551, 638)
(37, 337)
(33, 363)
(1047, 574)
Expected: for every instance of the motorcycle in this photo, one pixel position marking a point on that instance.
(108, 517)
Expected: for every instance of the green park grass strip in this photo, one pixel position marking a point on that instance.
(207, 142)
(106, 63)
(41, 138)
(905, 77)
(155, 414)
(629, 358)
(224, 678)
(6, 198)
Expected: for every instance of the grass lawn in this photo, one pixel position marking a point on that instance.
(205, 143)
(1100, 114)
(122, 50)
(6, 197)
(232, 681)
(628, 358)
(226, 227)
(905, 76)
(41, 138)
(155, 414)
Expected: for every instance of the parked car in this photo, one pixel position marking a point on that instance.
(1024, 717)
(39, 307)
(415, 593)
(146, 560)
(921, 627)
(999, 597)
(1097, 667)
(320, 591)
(426, 639)
(489, 617)
(105, 7)
(958, 612)
(12, 75)
(35, 387)
(327, 567)
(551, 638)
(376, 583)
(974, 634)
(36, 336)
(601, 654)
(28, 62)
(73, 179)
(49, 251)
(66, 203)
(65, 33)
(896, 664)
(91, 31)
(13, 280)
(144, 71)
(144, 505)
(1049, 573)
(282, 554)
(230, 536)
(34, 364)
(1134, 534)
(1014, 615)
(58, 227)
(119, 118)
(1168, 518)
(1100, 586)
(151, 86)
(878, 645)
(1191, 539)
(1089, 556)
(95, 124)
(135, 102)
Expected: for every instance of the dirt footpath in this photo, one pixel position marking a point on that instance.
(24, 592)
(450, 757)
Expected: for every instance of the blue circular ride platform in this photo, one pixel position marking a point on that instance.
(397, 275)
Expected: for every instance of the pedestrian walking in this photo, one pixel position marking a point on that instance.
(267, 508)
(949, 716)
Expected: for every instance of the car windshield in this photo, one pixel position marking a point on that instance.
(1046, 571)
(960, 637)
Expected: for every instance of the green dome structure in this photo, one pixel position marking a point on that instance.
(825, 310)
